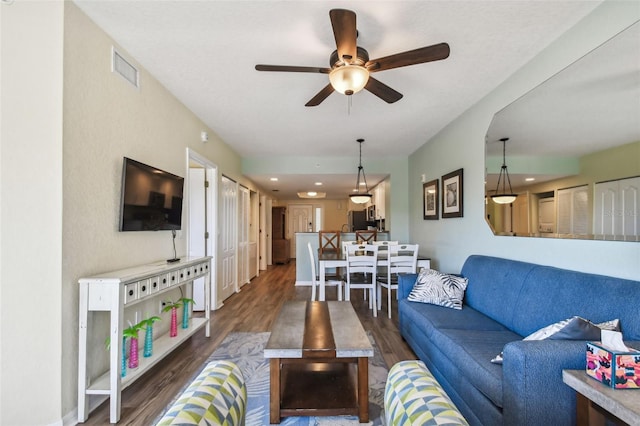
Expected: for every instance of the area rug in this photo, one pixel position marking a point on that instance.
(246, 350)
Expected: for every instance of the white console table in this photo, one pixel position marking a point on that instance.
(115, 291)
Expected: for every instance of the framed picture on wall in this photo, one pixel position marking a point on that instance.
(452, 194)
(430, 200)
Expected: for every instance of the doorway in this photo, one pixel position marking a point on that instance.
(300, 220)
(202, 178)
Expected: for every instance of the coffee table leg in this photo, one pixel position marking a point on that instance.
(363, 389)
(274, 386)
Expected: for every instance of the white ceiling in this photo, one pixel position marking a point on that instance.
(204, 52)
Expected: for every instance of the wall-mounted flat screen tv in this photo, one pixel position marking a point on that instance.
(151, 199)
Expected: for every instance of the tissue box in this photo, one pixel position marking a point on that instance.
(618, 370)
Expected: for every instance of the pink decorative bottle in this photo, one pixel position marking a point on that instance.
(133, 352)
(173, 332)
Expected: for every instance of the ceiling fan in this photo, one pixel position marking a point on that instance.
(350, 65)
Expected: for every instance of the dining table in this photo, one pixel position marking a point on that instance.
(338, 259)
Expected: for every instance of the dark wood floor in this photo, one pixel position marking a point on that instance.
(252, 310)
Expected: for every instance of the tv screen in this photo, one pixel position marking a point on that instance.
(151, 198)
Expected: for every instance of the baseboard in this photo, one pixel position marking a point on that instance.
(303, 283)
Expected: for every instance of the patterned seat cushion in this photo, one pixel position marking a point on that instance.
(218, 396)
(412, 396)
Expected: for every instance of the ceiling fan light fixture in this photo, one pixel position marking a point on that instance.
(504, 197)
(349, 79)
(361, 197)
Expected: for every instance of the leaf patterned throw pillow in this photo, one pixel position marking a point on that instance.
(439, 289)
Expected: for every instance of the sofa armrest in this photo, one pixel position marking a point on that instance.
(405, 284)
(532, 387)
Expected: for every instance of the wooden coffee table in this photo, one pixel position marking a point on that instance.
(319, 361)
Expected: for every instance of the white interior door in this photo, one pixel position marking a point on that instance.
(262, 238)
(267, 228)
(197, 227)
(254, 234)
(300, 216)
(228, 238)
(243, 236)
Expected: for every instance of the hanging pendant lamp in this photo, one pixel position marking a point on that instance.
(504, 197)
(361, 197)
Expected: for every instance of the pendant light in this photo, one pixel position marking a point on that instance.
(504, 197)
(361, 197)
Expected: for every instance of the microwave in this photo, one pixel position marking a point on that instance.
(371, 213)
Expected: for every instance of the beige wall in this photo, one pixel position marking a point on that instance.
(105, 118)
(32, 312)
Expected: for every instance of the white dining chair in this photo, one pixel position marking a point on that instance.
(402, 258)
(347, 243)
(386, 243)
(362, 265)
(315, 281)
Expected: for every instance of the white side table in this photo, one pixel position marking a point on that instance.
(595, 400)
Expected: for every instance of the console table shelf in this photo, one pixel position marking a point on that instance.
(114, 292)
(162, 346)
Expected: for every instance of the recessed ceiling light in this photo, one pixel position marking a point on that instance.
(273, 179)
(318, 184)
(312, 194)
(530, 179)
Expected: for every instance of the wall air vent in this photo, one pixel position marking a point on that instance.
(123, 67)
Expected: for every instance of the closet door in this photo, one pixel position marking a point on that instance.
(573, 212)
(243, 236)
(228, 238)
(616, 209)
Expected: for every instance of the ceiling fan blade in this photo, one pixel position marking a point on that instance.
(321, 96)
(344, 30)
(435, 52)
(382, 91)
(288, 68)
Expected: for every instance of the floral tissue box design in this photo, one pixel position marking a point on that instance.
(618, 370)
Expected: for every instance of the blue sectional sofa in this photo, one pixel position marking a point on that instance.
(504, 301)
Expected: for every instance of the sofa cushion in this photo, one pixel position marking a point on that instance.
(471, 351)
(495, 285)
(563, 287)
(430, 317)
(439, 289)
